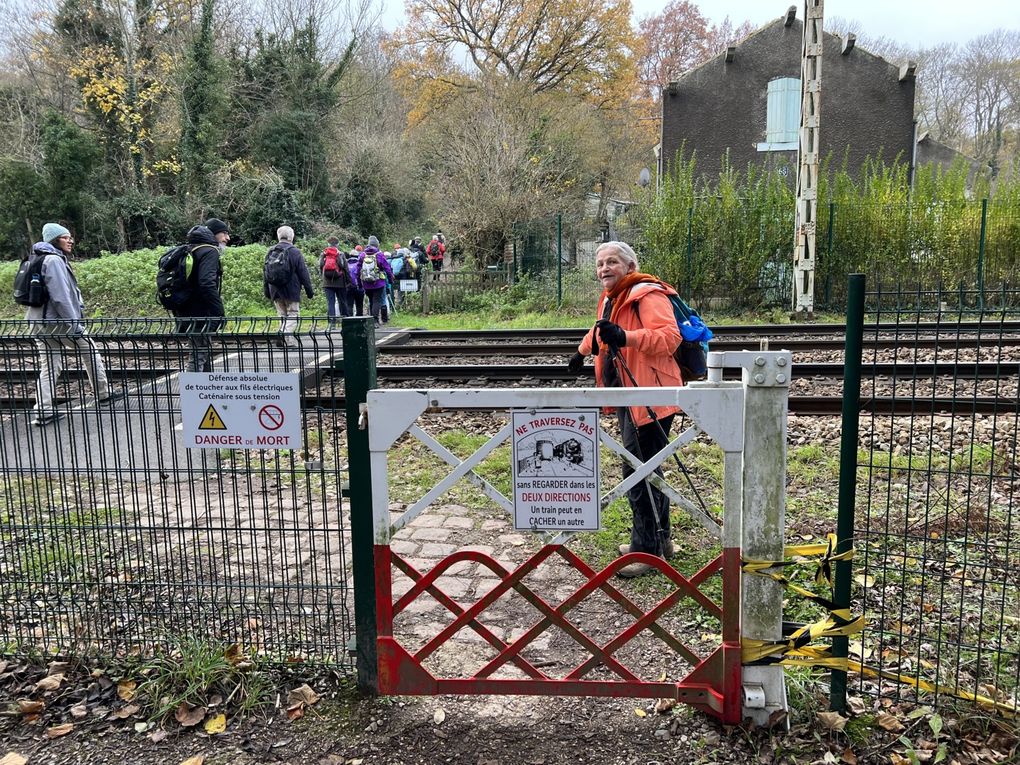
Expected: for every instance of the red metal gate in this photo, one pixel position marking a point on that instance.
(713, 685)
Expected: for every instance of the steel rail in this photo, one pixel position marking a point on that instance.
(810, 406)
(795, 345)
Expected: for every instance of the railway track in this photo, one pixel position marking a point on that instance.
(323, 381)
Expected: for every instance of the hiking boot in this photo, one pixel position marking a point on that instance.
(670, 550)
(45, 419)
(115, 395)
(633, 570)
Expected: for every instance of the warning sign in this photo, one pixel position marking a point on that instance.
(241, 410)
(556, 470)
(211, 420)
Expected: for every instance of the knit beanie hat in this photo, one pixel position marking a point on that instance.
(53, 231)
(373, 242)
(216, 226)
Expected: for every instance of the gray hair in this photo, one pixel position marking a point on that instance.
(285, 234)
(624, 250)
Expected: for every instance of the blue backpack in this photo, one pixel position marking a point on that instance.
(692, 353)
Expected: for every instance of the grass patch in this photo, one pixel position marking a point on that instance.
(197, 672)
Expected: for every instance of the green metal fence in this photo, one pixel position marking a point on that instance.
(937, 513)
(727, 254)
(117, 539)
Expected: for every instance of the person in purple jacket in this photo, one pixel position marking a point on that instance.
(373, 272)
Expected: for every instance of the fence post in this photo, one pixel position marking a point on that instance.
(513, 274)
(690, 250)
(426, 277)
(847, 474)
(981, 255)
(359, 377)
(559, 260)
(828, 254)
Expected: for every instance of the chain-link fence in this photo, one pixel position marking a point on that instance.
(118, 539)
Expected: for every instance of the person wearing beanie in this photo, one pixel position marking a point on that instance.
(373, 278)
(336, 282)
(356, 293)
(58, 325)
(285, 291)
(219, 230)
(202, 313)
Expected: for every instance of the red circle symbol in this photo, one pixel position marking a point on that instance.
(271, 417)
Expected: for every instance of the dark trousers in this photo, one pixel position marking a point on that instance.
(357, 301)
(645, 442)
(338, 302)
(377, 304)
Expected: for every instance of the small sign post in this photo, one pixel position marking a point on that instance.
(241, 410)
(556, 470)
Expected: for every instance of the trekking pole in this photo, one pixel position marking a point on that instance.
(660, 534)
(615, 355)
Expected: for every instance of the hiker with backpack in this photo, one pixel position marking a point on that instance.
(633, 342)
(436, 251)
(357, 293)
(46, 286)
(373, 273)
(405, 267)
(336, 282)
(284, 274)
(188, 285)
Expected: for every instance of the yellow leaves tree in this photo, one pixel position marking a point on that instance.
(578, 46)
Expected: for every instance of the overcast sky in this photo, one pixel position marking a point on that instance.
(914, 23)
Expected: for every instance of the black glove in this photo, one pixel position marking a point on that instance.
(576, 363)
(611, 333)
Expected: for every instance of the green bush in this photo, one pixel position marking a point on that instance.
(124, 284)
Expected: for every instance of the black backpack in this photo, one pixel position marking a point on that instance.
(277, 268)
(29, 287)
(173, 279)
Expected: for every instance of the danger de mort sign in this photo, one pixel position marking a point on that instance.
(241, 410)
(556, 470)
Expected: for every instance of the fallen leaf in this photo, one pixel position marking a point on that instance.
(59, 730)
(13, 758)
(296, 711)
(126, 689)
(79, 711)
(832, 720)
(829, 758)
(158, 735)
(849, 757)
(49, 683)
(30, 707)
(865, 580)
(198, 759)
(125, 712)
(233, 654)
(304, 694)
(887, 722)
(439, 716)
(640, 712)
(58, 668)
(664, 705)
(189, 716)
(856, 704)
(141, 727)
(215, 724)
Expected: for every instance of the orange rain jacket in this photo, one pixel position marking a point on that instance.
(646, 315)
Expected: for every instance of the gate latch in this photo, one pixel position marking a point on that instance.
(754, 696)
(362, 416)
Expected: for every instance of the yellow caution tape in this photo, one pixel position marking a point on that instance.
(823, 573)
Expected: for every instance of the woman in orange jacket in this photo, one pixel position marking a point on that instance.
(633, 342)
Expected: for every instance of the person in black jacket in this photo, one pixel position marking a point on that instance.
(203, 312)
(287, 297)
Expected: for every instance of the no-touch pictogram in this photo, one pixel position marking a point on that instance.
(271, 417)
(212, 420)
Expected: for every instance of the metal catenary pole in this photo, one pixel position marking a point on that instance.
(359, 378)
(847, 472)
